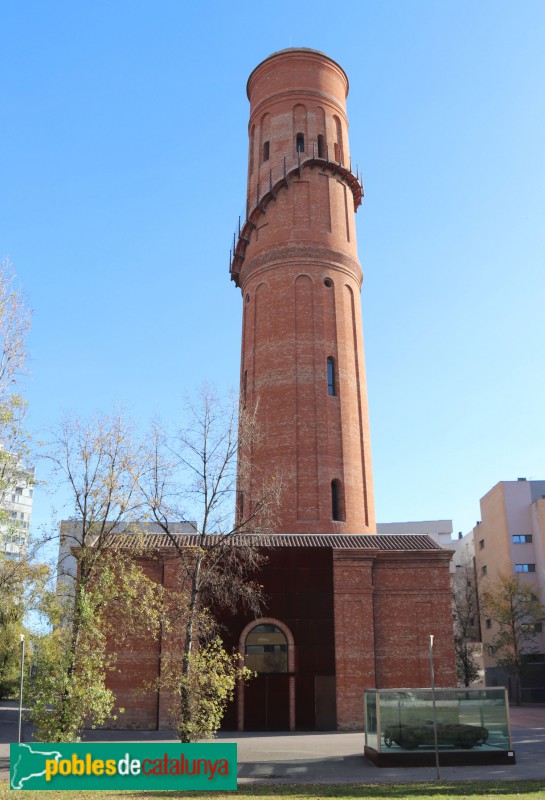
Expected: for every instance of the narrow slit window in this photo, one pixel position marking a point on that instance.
(337, 152)
(321, 146)
(252, 137)
(300, 142)
(331, 389)
(240, 506)
(266, 150)
(245, 387)
(336, 501)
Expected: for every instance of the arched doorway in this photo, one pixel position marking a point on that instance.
(267, 702)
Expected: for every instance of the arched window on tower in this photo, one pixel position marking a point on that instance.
(300, 142)
(266, 150)
(339, 150)
(266, 649)
(321, 146)
(337, 504)
(264, 137)
(331, 390)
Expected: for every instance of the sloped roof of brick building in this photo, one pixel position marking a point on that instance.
(401, 542)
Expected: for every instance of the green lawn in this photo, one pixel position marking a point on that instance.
(484, 790)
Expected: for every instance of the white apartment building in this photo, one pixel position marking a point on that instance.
(16, 514)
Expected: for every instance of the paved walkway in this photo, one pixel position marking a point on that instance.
(335, 757)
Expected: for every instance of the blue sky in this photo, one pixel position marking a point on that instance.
(123, 146)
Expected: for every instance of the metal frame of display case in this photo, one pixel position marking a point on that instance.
(423, 753)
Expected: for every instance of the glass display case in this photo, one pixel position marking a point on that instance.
(470, 726)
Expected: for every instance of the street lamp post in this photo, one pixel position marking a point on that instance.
(21, 684)
(432, 674)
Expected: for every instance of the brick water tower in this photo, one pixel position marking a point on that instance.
(341, 613)
(295, 260)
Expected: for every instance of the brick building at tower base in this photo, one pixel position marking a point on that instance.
(355, 612)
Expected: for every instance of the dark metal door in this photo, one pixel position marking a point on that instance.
(267, 703)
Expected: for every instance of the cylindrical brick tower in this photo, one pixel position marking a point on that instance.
(297, 265)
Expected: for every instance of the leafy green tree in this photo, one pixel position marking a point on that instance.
(20, 579)
(101, 592)
(22, 587)
(515, 607)
(192, 475)
(465, 651)
(69, 691)
(209, 685)
(14, 326)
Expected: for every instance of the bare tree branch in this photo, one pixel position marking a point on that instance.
(192, 475)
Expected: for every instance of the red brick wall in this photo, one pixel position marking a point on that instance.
(386, 606)
(354, 634)
(412, 601)
(137, 668)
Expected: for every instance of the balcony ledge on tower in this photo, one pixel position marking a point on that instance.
(280, 178)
